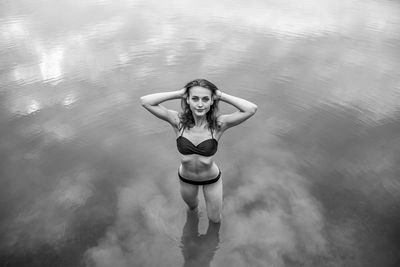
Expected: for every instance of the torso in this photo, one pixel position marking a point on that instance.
(198, 167)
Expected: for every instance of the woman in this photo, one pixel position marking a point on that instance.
(198, 129)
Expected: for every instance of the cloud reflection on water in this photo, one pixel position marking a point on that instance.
(269, 218)
(325, 75)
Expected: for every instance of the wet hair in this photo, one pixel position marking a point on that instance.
(186, 116)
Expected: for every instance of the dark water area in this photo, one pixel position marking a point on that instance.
(89, 178)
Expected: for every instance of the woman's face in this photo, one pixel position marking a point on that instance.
(199, 100)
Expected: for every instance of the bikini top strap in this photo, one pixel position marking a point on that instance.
(183, 129)
(212, 135)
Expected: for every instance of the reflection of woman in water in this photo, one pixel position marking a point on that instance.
(198, 128)
(198, 250)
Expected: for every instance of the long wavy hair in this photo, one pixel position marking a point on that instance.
(186, 116)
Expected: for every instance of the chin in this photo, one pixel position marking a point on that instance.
(203, 113)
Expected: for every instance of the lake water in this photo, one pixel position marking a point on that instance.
(89, 178)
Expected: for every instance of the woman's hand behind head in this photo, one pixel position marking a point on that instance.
(217, 94)
(183, 93)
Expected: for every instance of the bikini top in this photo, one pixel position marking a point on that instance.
(206, 148)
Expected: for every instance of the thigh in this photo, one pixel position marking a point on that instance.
(188, 191)
(213, 195)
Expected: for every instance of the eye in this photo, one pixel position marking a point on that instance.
(205, 99)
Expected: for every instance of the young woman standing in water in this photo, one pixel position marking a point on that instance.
(198, 128)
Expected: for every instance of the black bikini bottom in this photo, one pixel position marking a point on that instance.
(200, 182)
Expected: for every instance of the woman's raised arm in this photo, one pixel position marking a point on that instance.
(152, 103)
(246, 109)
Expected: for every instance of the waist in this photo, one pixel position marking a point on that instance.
(199, 173)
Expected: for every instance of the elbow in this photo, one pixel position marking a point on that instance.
(143, 101)
(253, 109)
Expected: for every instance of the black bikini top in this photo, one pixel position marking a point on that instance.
(206, 148)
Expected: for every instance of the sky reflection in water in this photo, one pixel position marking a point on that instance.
(89, 178)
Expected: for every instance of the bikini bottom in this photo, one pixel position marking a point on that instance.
(200, 182)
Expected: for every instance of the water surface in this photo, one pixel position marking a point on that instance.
(88, 177)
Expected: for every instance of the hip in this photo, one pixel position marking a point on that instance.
(205, 182)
